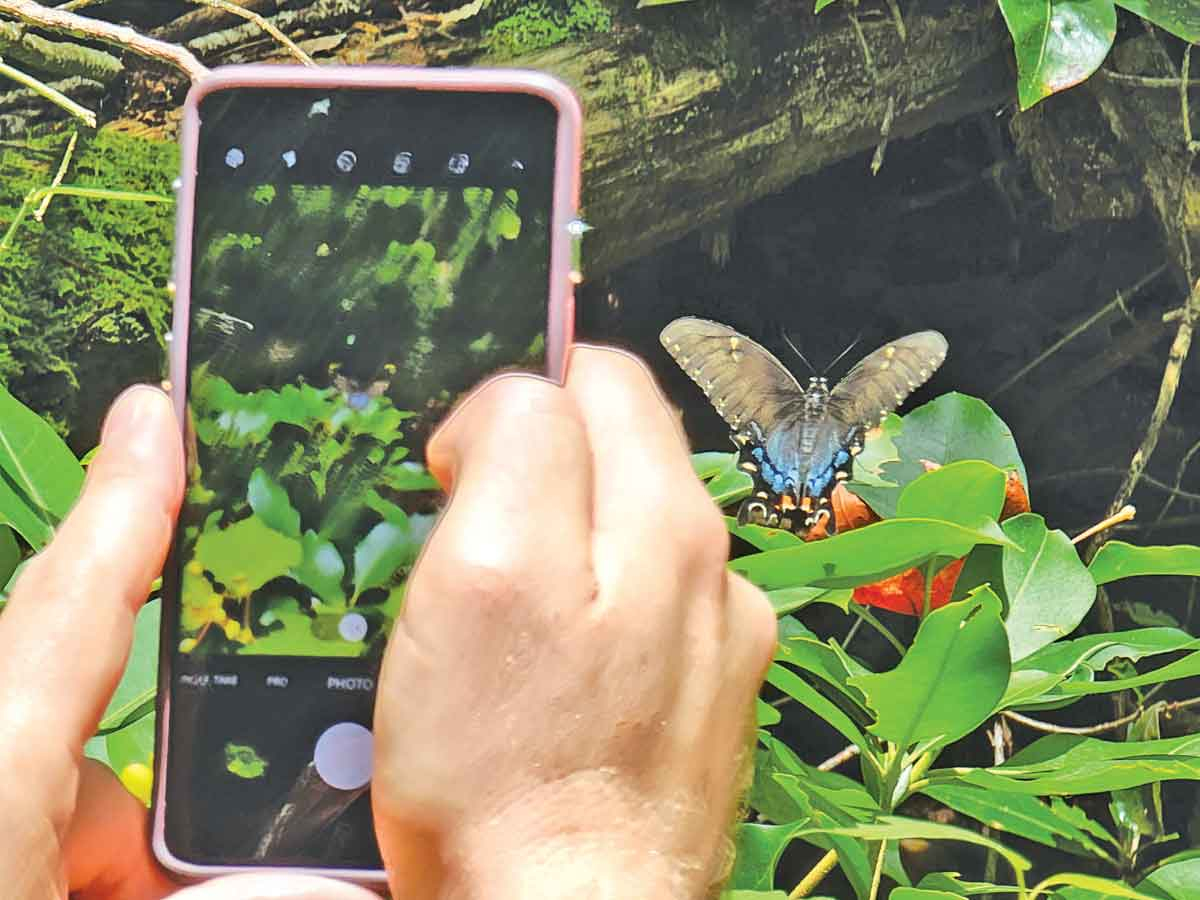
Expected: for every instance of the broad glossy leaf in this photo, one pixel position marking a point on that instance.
(793, 599)
(949, 428)
(39, 475)
(726, 482)
(10, 555)
(820, 789)
(808, 696)
(950, 679)
(766, 715)
(1053, 824)
(801, 648)
(759, 848)
(1062, 765)
(900, 828)
(710, 463)
(321, 568)
(1180, 17)
(762, 538)
(950, 881)
(908, 893)
(1090, 887)
(964, 492)
(1117, 559)
(132, 744)
(1188, 667)
(140, 679)
(1174, 878)
(1048, 587)
(1041, 672)
(272, 504)
(248, 553)
(865, 554)
(386, 548)
(1058, 43)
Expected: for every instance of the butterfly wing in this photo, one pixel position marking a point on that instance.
(883, 380)
(743, 380)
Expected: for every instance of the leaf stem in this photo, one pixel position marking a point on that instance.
(58, 98)
(878, 876)
(815, 876)
(865, 614)
(35, 197)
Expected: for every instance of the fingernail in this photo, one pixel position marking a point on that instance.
(135, 420)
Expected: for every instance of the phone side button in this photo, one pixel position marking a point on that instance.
(344, 756)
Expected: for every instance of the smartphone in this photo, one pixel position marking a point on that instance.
(355, 248)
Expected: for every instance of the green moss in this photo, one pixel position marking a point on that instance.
(541, 24)
(83, 303)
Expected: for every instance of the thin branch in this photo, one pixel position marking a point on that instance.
(36, 196)
(1175, 490)
(1102, 471)
(1051, 728)
(1172, 372)
(885, 131)
(816, 875)
(262, 22)
(44, 90)
(1117, 302)
(1147, 81)
(842, 756)
(58, 176)
(107, 32)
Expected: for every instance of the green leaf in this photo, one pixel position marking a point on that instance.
(1139, 810)
(1188, 667)
(39, 475)
(801, 648)
(900, 828)
(10, 555)
(908, 893)
(1117, 559)
(135, 692)
(1175, 878)
(248, 553)
(762, 538)
(864, 555)
(949, 881)
(1146, 615)
(131, 744)
(386, 548)
(1090, 887)
(808, 696)
(1058, 43)
(321, 568)
(950, 679)
(759, 848)
(821, 4)
(272, 504)
(793, 599)
(1049, 589)
(766, 715)
(1062, 764)
(1180, 17)
(964, 492)
(949, 428)
(1053, 824)
(711, 463)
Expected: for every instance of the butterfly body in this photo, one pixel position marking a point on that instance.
(796, 442)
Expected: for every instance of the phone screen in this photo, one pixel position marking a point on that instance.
(361, 258)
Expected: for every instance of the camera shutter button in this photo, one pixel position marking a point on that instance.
(344, 756)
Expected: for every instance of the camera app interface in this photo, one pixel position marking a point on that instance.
(361, 259)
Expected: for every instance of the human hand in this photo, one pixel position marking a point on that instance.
(68, 824)
(566, 704)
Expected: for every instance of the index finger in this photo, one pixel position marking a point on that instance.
(66, 632)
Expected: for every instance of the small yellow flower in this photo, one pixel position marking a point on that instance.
(187, 645)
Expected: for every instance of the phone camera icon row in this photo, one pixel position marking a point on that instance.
(347, 161)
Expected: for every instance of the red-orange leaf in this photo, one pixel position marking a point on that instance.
(905, 593)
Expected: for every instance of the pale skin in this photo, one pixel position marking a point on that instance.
(564, 708)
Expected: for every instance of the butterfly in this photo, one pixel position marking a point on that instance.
(796, 442)
(358, 396)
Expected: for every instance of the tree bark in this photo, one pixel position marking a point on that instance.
(692, 111)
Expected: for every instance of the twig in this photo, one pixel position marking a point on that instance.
(1125, 514)
(1141, 457)
(862, 43)
(58, 176)
(56, 97)
(885, 130)
(262, 22)
(1175, 490)
(119, 35)
(36, 196)
(815, 876)
(1184, 72)
(1117, 302)
(1147, 81)
(898, 19)
(1148, 480)
(1051, 728)
(840, 757)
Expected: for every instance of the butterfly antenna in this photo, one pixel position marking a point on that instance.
(796, 350)
(842, 355)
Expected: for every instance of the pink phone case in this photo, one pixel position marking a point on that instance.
(561, 307)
